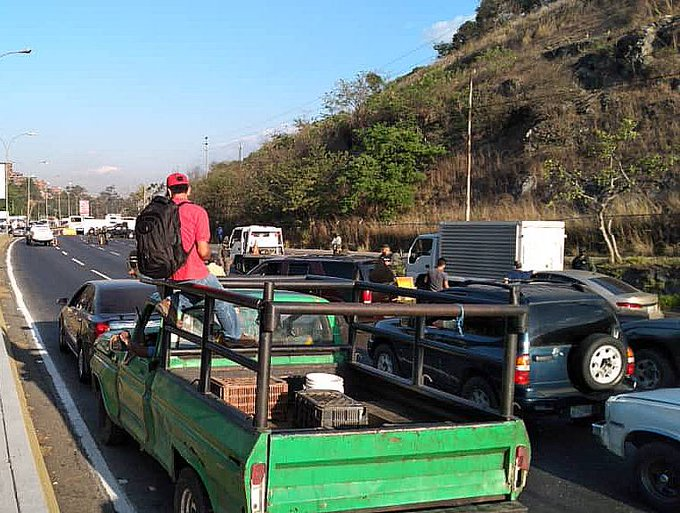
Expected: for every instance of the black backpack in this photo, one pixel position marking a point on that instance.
(159, 241)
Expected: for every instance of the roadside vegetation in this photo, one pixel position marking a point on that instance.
(561, 90)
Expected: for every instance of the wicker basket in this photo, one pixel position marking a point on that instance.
(328, 409)
(240, 393)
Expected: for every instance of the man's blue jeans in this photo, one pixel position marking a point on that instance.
(225, 312)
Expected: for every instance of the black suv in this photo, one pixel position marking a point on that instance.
(570, 361)
(355, 268)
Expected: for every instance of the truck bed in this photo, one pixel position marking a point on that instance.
(386, 403)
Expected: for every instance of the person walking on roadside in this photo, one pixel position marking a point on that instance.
(437, 280)
(220, 234)
(336, 244)
(195, 235)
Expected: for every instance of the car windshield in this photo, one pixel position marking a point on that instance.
(122, 300)
(613, 285)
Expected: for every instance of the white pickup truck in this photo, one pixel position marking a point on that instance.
(645, 428)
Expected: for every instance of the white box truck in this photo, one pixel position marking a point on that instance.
(488, 249)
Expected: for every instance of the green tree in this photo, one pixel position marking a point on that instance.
(595, 187)
(349, 96)
(381, 179)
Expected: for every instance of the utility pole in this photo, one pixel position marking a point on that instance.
(205, 150)
(468, 192)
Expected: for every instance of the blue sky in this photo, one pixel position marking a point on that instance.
(124, 92)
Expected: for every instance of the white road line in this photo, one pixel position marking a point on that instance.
(100, 274)
(114, 253)
(121, 503)
(100, 249)
(64, 253)
(77, 261)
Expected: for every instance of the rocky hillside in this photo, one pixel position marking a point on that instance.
(548, 78)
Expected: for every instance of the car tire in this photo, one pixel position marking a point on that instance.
(190, 494)
(657, 475)
(385, 359)
(108, 432)
(63, 345)
(83, 365)
(653, 370)
(599, 362)
(479, 391)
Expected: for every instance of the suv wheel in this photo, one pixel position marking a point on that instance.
(385, 359)
(479, 391)
(653, 370)
(657, 475)
(600, 362)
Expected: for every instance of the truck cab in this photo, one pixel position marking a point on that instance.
(422, 255)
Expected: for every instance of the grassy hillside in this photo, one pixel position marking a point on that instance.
(389, 159)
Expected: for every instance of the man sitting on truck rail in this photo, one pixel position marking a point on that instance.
(195, 233)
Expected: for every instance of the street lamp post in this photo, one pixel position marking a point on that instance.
(8, 145)
(68, 198)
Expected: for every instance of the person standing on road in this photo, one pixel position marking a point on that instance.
(581, 262)
(336, 244)
(220, 234)
(437, 280)
(195, 234)
(382, 271)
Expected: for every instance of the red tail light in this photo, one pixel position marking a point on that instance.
(631, 306)
(258, 488)
(101, 328)
(522, 369)
(366, 296)
(522, 458)
(630, 363)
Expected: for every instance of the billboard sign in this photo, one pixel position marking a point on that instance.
(84, 207)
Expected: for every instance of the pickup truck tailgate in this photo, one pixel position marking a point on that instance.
(392, 468)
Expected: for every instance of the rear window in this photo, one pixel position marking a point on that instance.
(339, 269)
(613, 285)
(124, 300)
(298, 268)
(568, 323)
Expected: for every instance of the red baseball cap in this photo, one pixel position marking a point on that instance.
(176, 179)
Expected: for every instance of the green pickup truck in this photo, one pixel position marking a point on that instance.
(238, 430)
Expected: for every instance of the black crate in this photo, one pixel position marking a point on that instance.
(328, 409)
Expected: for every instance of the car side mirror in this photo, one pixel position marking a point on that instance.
(62, 301)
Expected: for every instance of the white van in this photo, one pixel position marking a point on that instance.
(256, 240)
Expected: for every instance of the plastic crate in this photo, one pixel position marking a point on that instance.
(240, 392)
(328, 409)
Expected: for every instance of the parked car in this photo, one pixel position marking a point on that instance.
(570, 361)
(626, 299)
(644, 427)
(39, 233)
(656, 344)
(96, 307)
(347, 267)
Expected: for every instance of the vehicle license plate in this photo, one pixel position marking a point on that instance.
(583, 410)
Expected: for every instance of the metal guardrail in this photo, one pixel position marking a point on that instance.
(435, 305)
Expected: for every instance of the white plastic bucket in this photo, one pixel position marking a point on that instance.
(322, 381)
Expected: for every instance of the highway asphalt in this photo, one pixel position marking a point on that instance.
(570, 472)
